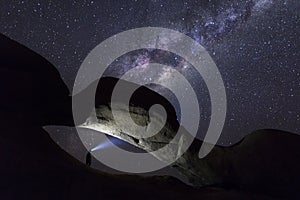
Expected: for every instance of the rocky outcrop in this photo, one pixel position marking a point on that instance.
(188, 165)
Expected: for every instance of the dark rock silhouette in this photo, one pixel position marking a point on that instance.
(31, 86)
(34, 167)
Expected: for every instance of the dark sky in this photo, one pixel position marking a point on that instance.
(254, 43)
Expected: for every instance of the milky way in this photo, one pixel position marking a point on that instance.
(254, 44)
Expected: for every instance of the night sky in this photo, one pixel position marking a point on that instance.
(255, 44)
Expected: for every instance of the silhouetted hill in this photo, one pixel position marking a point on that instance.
(31, 86)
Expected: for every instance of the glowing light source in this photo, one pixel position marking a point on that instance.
(108, 143)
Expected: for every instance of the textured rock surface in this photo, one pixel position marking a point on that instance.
(141, 101)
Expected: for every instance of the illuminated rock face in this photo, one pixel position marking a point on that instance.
(193, 171)
(262, 158)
